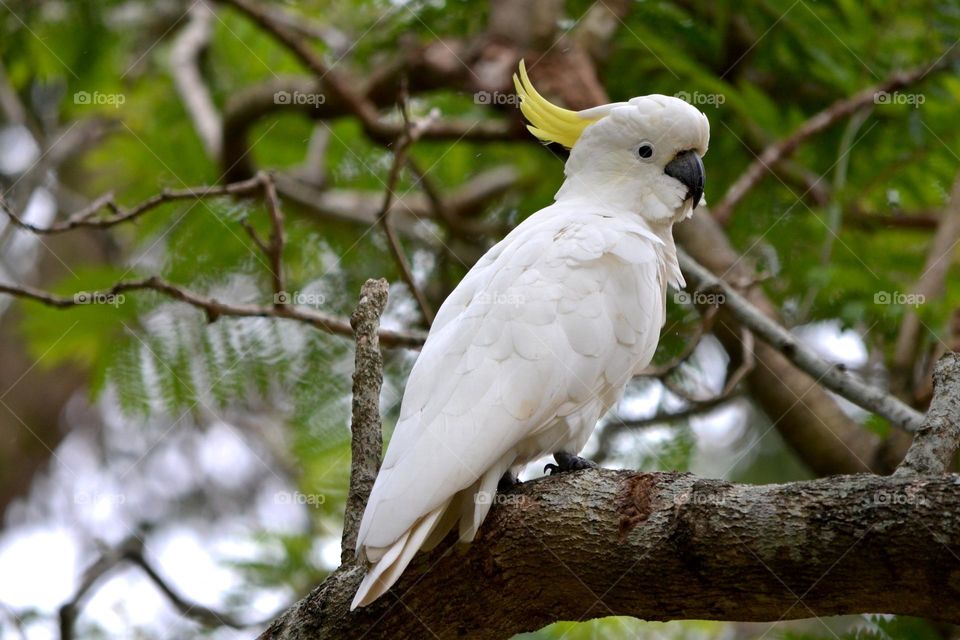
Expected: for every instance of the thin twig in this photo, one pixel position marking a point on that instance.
(401, 147)
(747, 363)
(277, 238)
(213, 308)
(449, 210)
(131, 550)
(834, 208)
(667, 368)
(365, 426)
(829, 375)
(822, 120)
(185, 54)
(617, 425)
(358, 104)
(87, 216)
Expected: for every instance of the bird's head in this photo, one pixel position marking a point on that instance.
(643, 155)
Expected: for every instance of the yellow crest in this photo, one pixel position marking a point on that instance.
(548, 122)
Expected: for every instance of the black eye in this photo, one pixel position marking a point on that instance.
(645, 150)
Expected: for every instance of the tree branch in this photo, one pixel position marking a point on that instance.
(274, 249)
(362, 207)
(400, 149)
(707, 317)
(929, 286)
(366, 426)
(185, 54)
(213, 308)
(806, 415)
(715, 550)
(829, 375)
(936, 441)
(87, 216)
(617, 425)
(131, 550)
(591, 544)
(357, 103)
(822, 120)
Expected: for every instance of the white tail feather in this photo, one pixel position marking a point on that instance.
(470, 506)
(384, 572)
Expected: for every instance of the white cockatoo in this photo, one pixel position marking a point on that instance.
(543, 334)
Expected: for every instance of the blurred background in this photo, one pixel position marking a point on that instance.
(165, 476)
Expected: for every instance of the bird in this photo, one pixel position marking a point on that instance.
(542, 335)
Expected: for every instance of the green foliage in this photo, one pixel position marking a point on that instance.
(616, 627)
(876, 628)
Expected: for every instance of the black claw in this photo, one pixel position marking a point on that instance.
(568, 462)
(507, 482)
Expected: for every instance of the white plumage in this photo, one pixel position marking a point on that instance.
(541, 336)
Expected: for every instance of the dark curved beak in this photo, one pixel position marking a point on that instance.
(687, 167)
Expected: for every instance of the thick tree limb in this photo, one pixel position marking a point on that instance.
(666, 546)
(936, 442)
(829, 375)
(822, 120)
(365, 425)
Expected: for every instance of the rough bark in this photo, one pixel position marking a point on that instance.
(663, 546)
(365, 424)
(936, 443)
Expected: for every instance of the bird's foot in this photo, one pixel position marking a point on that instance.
(568, 462)
(507, 482)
